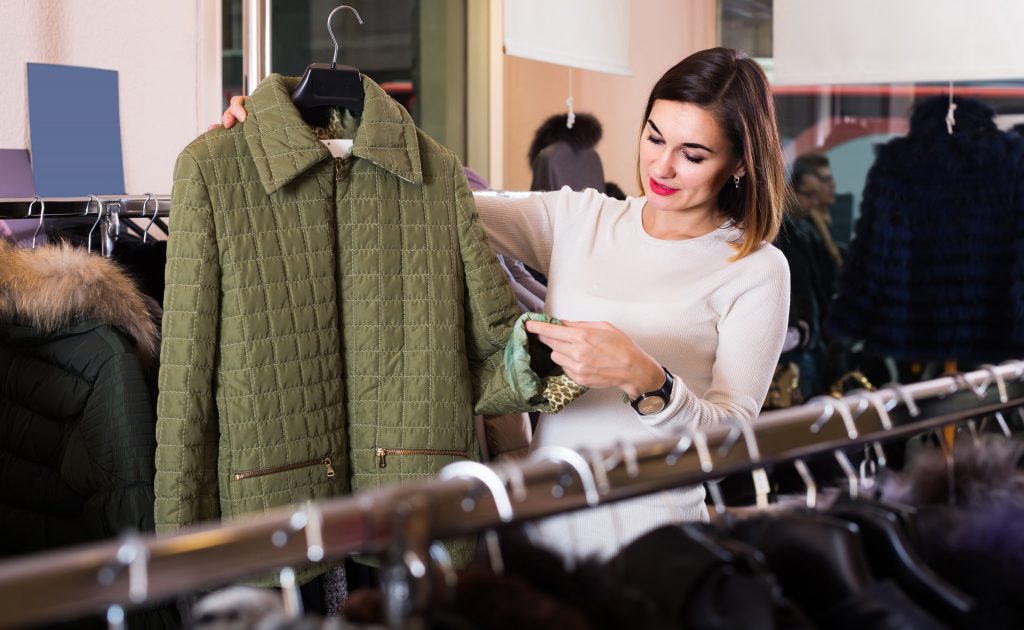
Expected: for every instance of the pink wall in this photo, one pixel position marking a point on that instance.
(167, 55)
(662, 32)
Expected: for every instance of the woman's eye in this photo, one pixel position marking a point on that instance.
(654, 140)
(695, 160)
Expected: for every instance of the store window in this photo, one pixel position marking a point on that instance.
(846, 122)
(415, 49)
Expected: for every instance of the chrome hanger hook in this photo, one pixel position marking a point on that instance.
(762, 487)
(100, 209)
(962, 384)
(848, 469)
(1000, 382)
(902, 395)
(156, 210)
(570, 457)
(808, 478)
(330, 31)
(42, 213)
(827, 410)
(490, 480)
(874, 399)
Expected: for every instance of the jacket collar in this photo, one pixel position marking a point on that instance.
(284, 146)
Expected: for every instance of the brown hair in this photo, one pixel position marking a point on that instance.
(734, 89)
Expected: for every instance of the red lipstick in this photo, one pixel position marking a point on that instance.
(658, 189)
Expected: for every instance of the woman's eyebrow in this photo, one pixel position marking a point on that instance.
(690, 145)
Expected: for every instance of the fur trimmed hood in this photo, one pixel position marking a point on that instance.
(49, 287)
(585, 134)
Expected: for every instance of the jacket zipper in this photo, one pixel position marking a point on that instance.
(323, 461)
(382, 453)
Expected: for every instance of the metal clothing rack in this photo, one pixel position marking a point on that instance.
(110, 212)
(400, 522)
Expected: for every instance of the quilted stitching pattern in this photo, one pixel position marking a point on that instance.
(315, 308)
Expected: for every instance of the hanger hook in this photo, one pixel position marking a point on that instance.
(851, 473)
(133, 554)
(486, 476)
(100, 208)
(902, 395)
(310, 521)
(963, 384)
(42, 212)
(156, 210)
(874, 399)
(576, 461)
(993, 375)
(692, 436)
(835, 405)
(330, 30)
(762, 488)
(808, 478)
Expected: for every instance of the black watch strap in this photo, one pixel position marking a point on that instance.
(654, 401)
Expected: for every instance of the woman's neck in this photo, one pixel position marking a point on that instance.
(681, 225)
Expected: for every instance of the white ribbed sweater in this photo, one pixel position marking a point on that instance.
(718, 327)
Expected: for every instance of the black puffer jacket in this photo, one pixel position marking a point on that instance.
(77, 417)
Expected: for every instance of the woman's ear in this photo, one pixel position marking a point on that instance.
(741, 171)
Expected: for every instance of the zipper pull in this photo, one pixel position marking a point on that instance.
(381, 454)
(326, 461)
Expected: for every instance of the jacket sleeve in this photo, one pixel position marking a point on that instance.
(117, 433)
(187, 429)
(491, 313)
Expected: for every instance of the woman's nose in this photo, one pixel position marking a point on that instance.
(662, 167)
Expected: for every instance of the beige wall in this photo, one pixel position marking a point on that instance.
(662, 32)
(167, 55)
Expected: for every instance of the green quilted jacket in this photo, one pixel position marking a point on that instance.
(331, 325)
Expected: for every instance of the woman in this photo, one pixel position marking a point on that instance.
(675, 299)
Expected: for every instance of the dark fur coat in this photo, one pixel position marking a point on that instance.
(936, 269)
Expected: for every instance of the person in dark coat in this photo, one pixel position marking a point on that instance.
(811, 272)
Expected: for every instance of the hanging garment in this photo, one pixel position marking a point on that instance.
(973, 539)
(560, 156)
(323, 316)
(77, 420)
(936, 269)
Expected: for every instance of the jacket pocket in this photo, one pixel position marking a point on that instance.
(382, 453)
(324, 461)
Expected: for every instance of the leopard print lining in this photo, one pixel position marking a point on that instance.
(560, 390)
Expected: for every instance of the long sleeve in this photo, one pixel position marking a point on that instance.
(187, 429)
(521, 228)
(751, 332)
(491, 314)
(117, 431)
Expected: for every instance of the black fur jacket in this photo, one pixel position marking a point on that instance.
(936, 268)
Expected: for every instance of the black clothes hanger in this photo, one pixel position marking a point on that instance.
(323, 86)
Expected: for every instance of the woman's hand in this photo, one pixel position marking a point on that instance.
(597, 354)
(235, 111)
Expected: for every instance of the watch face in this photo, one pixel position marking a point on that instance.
(650, 405)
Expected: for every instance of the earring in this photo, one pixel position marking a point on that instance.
(736, 181)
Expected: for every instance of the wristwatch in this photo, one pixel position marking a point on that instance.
(654, 402)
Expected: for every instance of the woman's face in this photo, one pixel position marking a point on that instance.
(685, 158)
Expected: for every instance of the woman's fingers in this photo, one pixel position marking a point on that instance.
(237, 107)
(552, 331)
